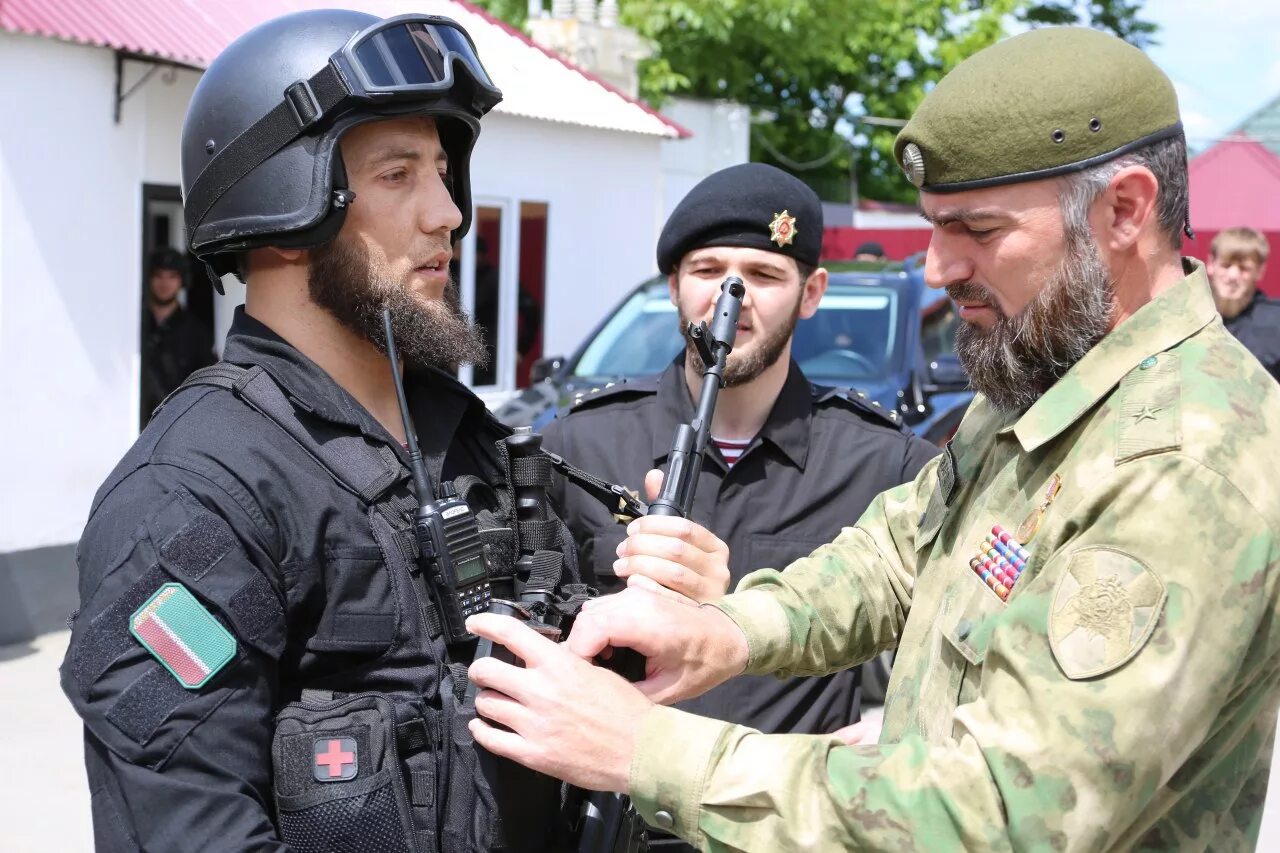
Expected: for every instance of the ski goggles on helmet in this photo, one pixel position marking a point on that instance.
(401, 60)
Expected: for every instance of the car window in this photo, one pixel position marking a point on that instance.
(853, 336)
(938, 330)
(640, 339)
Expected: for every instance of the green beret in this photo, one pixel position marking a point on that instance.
(1044, 103)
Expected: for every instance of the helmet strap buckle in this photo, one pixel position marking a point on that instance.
(304, 104)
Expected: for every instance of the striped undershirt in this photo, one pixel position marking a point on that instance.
(731, 448)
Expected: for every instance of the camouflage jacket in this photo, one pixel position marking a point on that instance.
(1125, 694)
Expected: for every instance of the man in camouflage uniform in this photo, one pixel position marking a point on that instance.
(1082, 589)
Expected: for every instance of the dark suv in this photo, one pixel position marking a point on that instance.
(878, 329)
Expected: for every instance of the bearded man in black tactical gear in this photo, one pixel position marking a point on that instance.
(257, 660)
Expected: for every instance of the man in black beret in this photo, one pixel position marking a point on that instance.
(790, 463)
(174, 341)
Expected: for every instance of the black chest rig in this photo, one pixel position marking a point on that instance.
(388, 763)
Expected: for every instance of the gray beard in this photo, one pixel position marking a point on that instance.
(741, 368)
(1021, 357)
(439, 334)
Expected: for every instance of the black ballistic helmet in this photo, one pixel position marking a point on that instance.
(261, 164)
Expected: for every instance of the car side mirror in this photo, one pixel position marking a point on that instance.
(945, 373)
(545, 368)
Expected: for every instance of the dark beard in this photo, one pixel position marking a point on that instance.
(1020, 358)
(433, 333)
(741, 368)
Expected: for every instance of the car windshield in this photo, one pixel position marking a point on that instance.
(853, 336)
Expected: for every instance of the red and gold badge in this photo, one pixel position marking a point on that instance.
(782, 230)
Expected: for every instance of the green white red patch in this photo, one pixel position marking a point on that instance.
(183, 635)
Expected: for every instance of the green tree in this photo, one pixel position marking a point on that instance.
(818, 74)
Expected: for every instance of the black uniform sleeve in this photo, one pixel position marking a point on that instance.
(918, 452)
(174, 767)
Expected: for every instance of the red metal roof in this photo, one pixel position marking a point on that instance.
(193, 32)
(1236, 182)
(183, 31)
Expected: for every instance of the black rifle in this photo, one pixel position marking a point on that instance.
(610, 823)
(714, 346)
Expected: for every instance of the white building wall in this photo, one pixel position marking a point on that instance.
(721, 138)
(70, 257)
(604, 195)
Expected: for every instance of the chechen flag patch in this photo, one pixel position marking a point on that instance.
(183, 635)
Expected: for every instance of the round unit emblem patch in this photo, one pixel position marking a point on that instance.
(1104, 609)
(913, 163)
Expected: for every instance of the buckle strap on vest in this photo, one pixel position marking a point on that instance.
(544, 571)
(531, 471)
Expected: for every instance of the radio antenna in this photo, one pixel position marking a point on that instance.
(421, 483)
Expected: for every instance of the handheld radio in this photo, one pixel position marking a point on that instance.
(454, 570)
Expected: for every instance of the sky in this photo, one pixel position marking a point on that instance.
(1223, 57)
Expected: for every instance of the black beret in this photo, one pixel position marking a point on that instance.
(753, 205)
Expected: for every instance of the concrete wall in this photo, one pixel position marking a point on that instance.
(37, 592)
(70, 246)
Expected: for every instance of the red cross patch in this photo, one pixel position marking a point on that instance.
(335, 759)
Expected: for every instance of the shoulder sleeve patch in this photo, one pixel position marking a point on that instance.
(1104, 608)
(1150, 408)
(183, 635)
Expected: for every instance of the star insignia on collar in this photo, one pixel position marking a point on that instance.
(782, 230)
(1148, 413)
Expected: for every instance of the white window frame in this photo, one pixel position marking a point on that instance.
(508, 291)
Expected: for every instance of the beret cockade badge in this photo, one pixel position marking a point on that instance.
(913, 163)
(782, 230)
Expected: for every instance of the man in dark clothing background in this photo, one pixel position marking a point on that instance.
(174, 341)
(1237, 262)
(790, 463)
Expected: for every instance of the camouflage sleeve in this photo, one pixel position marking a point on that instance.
(844, 603)
(1135, 664)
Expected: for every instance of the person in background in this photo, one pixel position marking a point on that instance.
(174, 341)
(1237, 262)
(870, 251)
